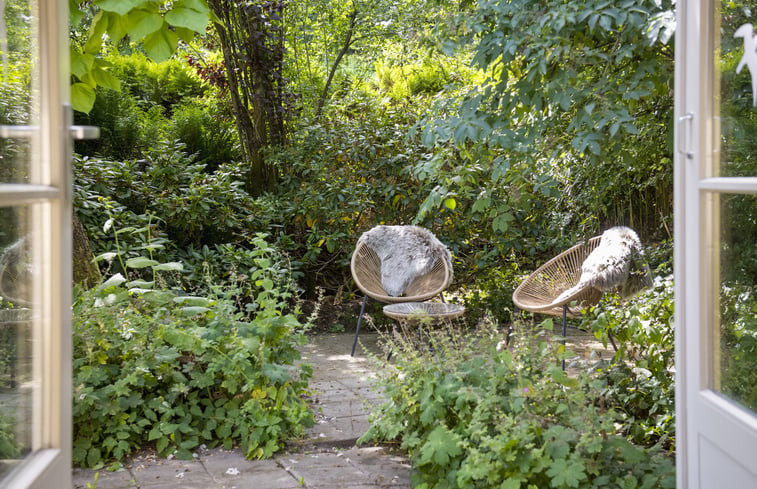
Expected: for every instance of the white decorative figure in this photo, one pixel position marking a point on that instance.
(750, 56)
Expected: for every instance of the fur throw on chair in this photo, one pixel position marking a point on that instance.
(406, 252)
(616, 263)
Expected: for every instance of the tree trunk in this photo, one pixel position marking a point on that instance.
(342, 52)
(251, 37)
(86, 272)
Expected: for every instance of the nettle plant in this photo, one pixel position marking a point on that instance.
(153, 365)
(473, 413)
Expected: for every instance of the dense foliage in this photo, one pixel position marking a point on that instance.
(155, 365)
(472, 412)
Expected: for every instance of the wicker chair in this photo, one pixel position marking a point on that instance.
(366, 271)
(541, 291)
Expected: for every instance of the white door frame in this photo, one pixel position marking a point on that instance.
(711, 430)
(49, 192)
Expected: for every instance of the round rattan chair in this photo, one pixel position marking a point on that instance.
(366, 271)
(542, 291)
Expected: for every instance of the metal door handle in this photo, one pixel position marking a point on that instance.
(84, 132)
(683, 137)
(26, 132)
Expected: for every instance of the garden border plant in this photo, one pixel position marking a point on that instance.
(153, 365)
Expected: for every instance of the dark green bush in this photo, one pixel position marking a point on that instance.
(126, 130)
(195, 206)
(640, 382)
(207, 131)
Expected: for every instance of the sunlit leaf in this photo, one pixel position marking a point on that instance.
(161, 44)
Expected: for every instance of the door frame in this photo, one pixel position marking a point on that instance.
(706, 422)
(49, 464)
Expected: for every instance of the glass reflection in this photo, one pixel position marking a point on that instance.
(16, 55)
(16, 369)
(737, 62)
(738, 299)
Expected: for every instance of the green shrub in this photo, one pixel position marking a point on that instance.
(196, 207)
(207, 132)
(640, 382)
(9, 446)
(126, 130)
(154, 365)
(165, 84)
(473, 414)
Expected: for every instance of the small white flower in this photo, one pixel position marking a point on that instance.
(180, 475)
(82, 396)
(232, 471)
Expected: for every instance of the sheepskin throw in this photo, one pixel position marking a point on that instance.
(406, 252)
(616, 263)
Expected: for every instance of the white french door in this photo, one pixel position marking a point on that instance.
(716, 244)
(35, 246)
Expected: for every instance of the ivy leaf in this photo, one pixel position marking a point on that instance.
(160, 45)
(441, 445)
(570, 474)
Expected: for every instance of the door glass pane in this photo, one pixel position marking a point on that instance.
(17, 56)
(738, 299)
(17, 380)
(737, 62)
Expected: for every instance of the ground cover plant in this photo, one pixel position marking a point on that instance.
(474, 412)
(155, 366)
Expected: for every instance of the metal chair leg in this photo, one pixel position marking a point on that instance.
(564, 332)
(357, 330)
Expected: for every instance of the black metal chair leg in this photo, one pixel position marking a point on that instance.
(357, 330)
(564, 332)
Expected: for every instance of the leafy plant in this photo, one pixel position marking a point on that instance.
(474, 414)
(155, 365)
(640, 381)
(9, 447)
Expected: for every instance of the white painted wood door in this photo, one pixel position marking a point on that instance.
(716, 244)
(35, 245)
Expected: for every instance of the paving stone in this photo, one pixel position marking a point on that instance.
(173, 473)
(231, 470)
(121, 479)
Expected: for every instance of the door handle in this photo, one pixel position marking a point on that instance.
(74, 132)
(26, 132)
(684, 137)
(84, 132)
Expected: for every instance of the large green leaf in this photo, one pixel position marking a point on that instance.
(187, 17)
(81, 63)
(95, 40)
(103, 77)
(161, 45)
(82, 97)
(441, 445)
(121, 7)
(141, 23)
